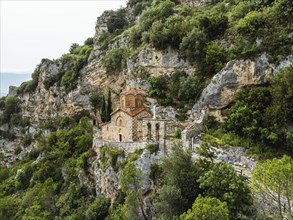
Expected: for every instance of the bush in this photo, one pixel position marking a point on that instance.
(114, 60)
(30, 86)
(207, 208)
(177, 134)
(17, 150)
(192, 45)
(26, 140)
(179, 90)
(89, 41)
(153, 148)
(97, 209)
(117, 20)
(215, 58)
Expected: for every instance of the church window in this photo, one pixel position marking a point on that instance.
(157, 132)
(119, 122)
(149, 134)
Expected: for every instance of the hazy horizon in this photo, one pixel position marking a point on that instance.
(12, 79)
(33, 30)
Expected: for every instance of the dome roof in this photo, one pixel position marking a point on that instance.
(133, 91)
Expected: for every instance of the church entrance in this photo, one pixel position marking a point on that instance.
(120, 137)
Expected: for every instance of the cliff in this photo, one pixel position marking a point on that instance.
(192, 58)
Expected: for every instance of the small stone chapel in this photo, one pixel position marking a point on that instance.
(133, 121)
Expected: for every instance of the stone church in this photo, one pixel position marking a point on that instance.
(133, 121)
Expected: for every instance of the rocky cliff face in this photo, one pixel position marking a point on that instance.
(236, 75)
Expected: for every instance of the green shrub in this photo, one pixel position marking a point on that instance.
(89, 41)
(192, 45)
(114, 60)
(17, 150)
(252, 23)
(179, 90)
(4, 174)
(117, 20)
(153, 148)
(30, 86)
(215, 57)
(177, 134)
(97, 209)
(155, 172)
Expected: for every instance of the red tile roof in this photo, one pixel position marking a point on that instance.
(133, 91)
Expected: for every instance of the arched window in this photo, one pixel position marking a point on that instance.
(119, 122)
(130, 101)
(139, 101)
(120, 135)
(149, 134)
(157, 132)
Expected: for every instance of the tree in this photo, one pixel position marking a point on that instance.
(96, 100)
(207, 151)
(73, 48)
(274, 178)
(192, 46)
(180, 172)
(207, 208)
(170, 202)
(98, 209)
(117, 21)
(103, 110)
(223, 183)
(130, 183)
(180, 177)
(109, 107)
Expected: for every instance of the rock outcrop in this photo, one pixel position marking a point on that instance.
(236, 75)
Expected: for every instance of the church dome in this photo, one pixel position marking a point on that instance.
(132, 99)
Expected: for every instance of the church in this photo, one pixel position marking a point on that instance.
(133, 121)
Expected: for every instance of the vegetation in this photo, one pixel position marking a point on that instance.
(260, 118)
(114, 60)
(207, 208)
(70, 65)
(30, 86)
(117, 21)
(40, 191)
(53, 181)
(178, 90)
(274, 178)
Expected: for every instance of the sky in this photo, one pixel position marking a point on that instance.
(32, 30)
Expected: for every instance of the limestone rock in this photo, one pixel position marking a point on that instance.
(236, 75)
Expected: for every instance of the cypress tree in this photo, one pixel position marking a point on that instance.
(109, 107)
(103, 110)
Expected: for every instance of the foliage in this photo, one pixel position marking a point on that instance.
(105, 107)
(275, 178)
(130, 183)
(11, 108)
(207, 151)
(96, 100)
(152, 148)
(114, 60)
(70, 65)
(177, 134)
(180, 174)
(138, 5)
(30, 86)
(223, 183)
(117, 20)
(39, 190)
(207, 208)
(97, 209)
(109, 156)
(171, 202)
(178, 90)
(264, 114)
